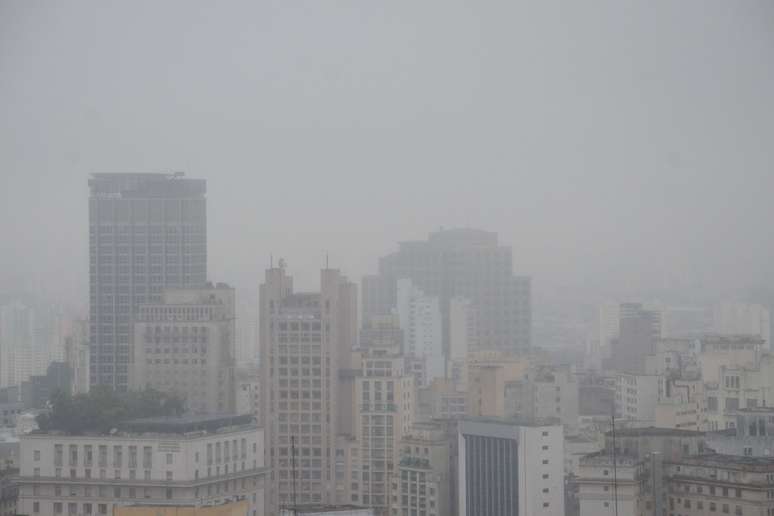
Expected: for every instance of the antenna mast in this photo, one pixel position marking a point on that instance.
(615, 467)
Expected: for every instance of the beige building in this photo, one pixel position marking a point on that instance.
(603, 493)
(423, 480)
(441, 399)
(306, 344)
(488, 374)
(721, 484)
(192, 461)
(384, 412)
(682, 404)
(185, 345)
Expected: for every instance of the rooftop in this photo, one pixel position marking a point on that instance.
(652, 431)
(729, 461)
(185, 424)
(515, 421)
(315, 508)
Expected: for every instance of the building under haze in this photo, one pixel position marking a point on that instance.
(306, 343)
(147, 232)
(460, 262)
(185, 345)
(639, 331)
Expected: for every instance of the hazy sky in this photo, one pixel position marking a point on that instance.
(608, 142)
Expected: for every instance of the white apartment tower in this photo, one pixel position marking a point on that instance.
(306, 342)
(420, 320)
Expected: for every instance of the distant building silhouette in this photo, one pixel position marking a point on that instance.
(468, 263)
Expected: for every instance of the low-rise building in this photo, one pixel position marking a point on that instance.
(722, 484)
(192, 461)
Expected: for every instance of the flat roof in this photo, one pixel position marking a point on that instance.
(719, 459)
(312, 508)
(653, 431)
(185, 424)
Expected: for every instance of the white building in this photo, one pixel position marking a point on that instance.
(161, 461)
(508, 467)
(420, 320)
(636, 396)
(742, 319)
(77, 356)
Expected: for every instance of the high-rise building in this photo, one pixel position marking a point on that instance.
(306, 342)
(509, 467)
(460, 262)
(639, 331)
(17, 341)
(147, 232)
(186, 345)
(420, 320)
(384, 406)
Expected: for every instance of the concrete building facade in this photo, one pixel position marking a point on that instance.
(185, 345)
(155, 462)
(507, 467)
(306, 344)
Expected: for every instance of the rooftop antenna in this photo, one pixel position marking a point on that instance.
(326, 261)
(615, 466)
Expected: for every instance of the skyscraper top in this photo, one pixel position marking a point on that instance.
(153, 184)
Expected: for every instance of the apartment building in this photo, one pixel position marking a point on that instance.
(636, 396)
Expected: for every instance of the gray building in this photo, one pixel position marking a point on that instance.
(147, 232)
(460, 262)
(640, 330)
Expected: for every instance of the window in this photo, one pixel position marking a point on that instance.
(169, 458)
(545, 476)
(37, 455)
(57, 507)
(169, 475)
(725, 508)
(35, 507)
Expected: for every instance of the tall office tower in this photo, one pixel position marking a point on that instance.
(460, 262)
(420, 320)
(147, 232)
(384, 405)
(306, 341)
(639, 330)
(186, 345)
(510, 467)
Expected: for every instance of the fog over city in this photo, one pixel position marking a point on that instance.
(622, 146)
(368, 258)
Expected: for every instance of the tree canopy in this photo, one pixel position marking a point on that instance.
(103, 409)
